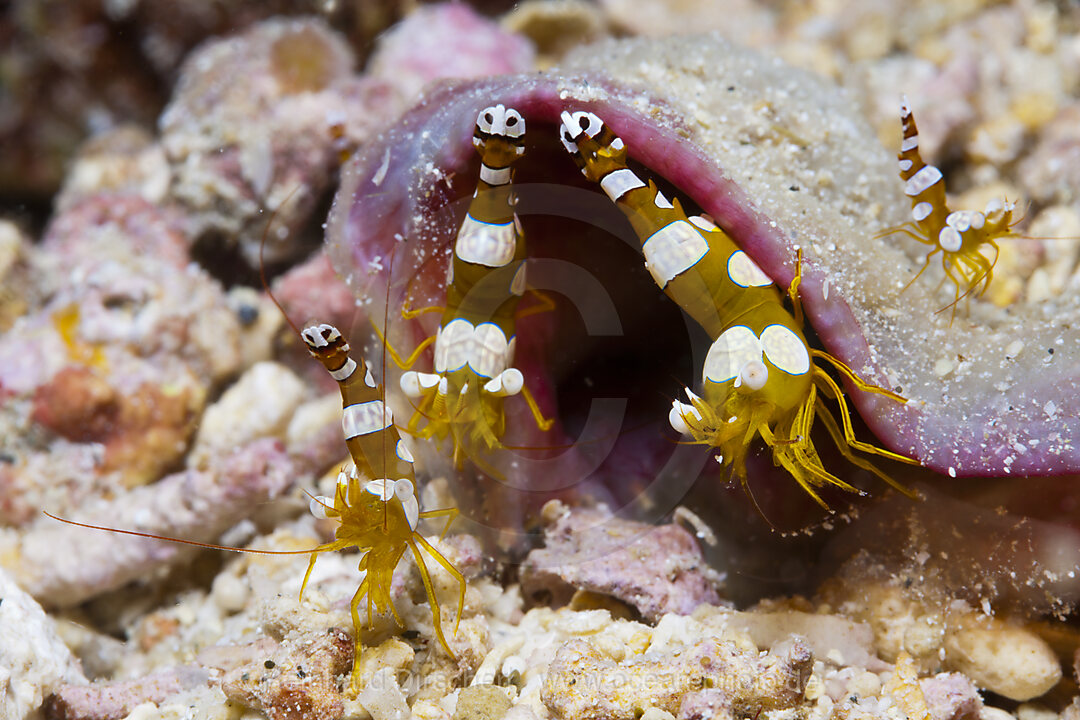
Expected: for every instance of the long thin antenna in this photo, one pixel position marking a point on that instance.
(179, 541)
(385, 374)
(262, 264)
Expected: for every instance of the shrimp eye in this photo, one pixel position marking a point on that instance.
(488, 117)
(319, 336)
(513, 125)
(589, 123)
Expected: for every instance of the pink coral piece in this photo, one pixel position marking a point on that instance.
(656, 570)
(457, 43)
(62, 565)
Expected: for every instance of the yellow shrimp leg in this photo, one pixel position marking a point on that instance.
(541, 422)
(908, 228)
(409, 313)
(354, 611)
(326, 547)
(849, 432)
(982, 273)
(793, 289)
(544, 304)
(844, 445)
(411, 359)
(859, 383)
(449, 567)
(449, 513)
(429, 589)
(804, 449)
(926, 264)
(788, 463)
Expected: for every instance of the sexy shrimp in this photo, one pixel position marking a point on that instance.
(760, 378)
(375, 499)
(959, 236)
(474, 346)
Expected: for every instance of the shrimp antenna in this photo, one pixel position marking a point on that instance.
(386, 329)
(262, 263)
(753, 500)
(179, 541)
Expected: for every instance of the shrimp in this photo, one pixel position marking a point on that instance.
(379, 516)
(474, 346)
(959, 236)
(374, 502)
(760, 378)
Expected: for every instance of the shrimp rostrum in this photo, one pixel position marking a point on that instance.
(760, 378)
(375, 500)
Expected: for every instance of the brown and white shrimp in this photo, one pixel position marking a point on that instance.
(760, 378)
(960, 236)
(375, 499)
(474, 345)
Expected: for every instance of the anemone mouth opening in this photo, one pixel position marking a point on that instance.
(595, 237)
(613, 333)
